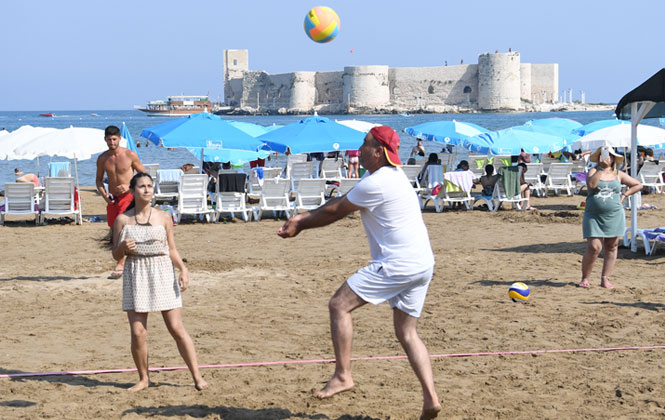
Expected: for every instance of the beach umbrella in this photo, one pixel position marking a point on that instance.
(201, 130)
(313, 134)
(449, 132)
(236, 157)
(645, 101)
(252, 129)
(73, 143)
(359, 125)
(18, 137)
(3, 132)
(511, 141)
(563, 125)
(620, 136)
(596, 125)
(561, 132)
(125, 134)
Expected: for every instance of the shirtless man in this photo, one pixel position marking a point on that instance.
(119, 164)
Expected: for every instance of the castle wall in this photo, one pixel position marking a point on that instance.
(445, 85)
(329, 89)
(235, 63)
(545, 82)
(303, 91)
(365, 86)
(525, 81)
(499, 81)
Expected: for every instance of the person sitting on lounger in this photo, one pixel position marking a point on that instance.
(21, 177)
(488, 180)
(525, 187)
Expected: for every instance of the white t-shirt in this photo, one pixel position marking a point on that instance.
(393, 222)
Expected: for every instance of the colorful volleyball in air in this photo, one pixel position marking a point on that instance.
(518, 292)
(322, 24)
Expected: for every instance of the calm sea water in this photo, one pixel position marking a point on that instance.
(136, 121)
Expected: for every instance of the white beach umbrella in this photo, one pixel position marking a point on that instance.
(359, 125)
(619, 136)
(73, 143)
(3, 132)
(18, 137)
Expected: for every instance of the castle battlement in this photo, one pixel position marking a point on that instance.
(499, 82)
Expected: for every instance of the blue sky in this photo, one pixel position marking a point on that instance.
(78, 55)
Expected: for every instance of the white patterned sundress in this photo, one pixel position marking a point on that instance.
(149, 283)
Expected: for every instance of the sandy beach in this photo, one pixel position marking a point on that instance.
(257, 298)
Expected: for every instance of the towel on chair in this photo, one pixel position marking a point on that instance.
(462, 179)
(169, 175)
(232, 183)
(510, 180)
(259, 173)
(59, 169)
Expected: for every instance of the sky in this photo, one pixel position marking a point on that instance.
(89, 55)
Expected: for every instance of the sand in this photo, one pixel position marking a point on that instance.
(255, 297)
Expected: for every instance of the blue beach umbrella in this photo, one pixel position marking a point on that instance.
(512, 141)
(236, 157)
(597, 125)
(563, 125)
(252, 129)
(449, 132)
(313, 134)
(560, 131)
(201, 130)
(125, 134)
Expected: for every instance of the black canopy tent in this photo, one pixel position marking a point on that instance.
(645, 101)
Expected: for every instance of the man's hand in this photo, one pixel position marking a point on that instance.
(291, 227)
(121, 189)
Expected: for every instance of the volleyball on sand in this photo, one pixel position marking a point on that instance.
(518, 292)
(322, 24)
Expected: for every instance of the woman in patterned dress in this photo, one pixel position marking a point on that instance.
(145, 235)
(604, 218)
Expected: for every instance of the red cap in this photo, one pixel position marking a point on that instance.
(390, 142)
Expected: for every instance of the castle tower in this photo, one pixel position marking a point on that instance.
(366, 86)
(236, 63)
(303, 91)
(499, 81)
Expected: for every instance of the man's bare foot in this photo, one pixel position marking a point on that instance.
(605, 282)
(430, 413)
(334, 386)
(200, 385)
(139, 386)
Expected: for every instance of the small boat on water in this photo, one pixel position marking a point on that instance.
(94, 115)
(47, 114)
(179, 106)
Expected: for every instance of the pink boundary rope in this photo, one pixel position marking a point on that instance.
(299, 362)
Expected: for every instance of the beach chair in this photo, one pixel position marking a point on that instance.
(194, 170)
(151, 169)
(193, 197)
(291, 159)
(345, 185)
(651, 175)
(301, 170)
(456, 188)
(547, 160)
(559, 178)
(256, 177)
(499, 161)
(230, 196)
(431, 179)
(509, 180)
(59, 199)
(275, 198)
(20, 200)
(411, 172)
(533, 177)
(167, 184)
(650, 238)
(310, 194)
(59, 169)
(331, 169)
(476, 164)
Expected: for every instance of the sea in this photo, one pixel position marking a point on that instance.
(168, 159)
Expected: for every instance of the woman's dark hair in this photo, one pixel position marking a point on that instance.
(433, 158)
(132, 186)
(489, 169)
(463, 164)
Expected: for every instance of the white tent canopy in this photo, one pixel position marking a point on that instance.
(74, 143)
(359, 125)
(620, 136)
(18, 137)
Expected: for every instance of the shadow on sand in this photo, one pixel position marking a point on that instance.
(534, 283)
(45, 278)
(555, 248)
(78, 380)
(231, 413)
(649, 306)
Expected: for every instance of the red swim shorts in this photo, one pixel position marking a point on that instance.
(117, 206)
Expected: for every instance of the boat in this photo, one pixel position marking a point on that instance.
(94, 115)
(178, 106)
(47, 114)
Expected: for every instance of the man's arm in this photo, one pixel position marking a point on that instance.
(100, 180)
(136, 162)
(332, 211)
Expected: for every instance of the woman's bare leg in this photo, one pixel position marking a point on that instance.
(173, 320)
(593, 248)
(138, 324)
(609, 261)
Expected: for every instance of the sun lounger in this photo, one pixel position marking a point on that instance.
(532, 176)
(275, 197)
(59, 199)
(310, 194)
(507, 188)
(20, 200)
(167, 184)
(193, 197)
(649, 237)
(559, 178)
(651, 175)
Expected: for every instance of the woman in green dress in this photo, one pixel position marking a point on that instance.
(604, 217)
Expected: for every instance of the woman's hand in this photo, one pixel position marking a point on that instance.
(623, 198)
(129, 245)
(183, 280)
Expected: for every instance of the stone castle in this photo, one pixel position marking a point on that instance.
(499, 82)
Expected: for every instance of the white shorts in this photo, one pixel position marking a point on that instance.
(406, 293)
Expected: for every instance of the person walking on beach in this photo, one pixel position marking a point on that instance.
(119, 165)
(144, 235)
(604, 217)
(400, 269)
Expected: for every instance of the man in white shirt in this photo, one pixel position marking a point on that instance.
(401, 266)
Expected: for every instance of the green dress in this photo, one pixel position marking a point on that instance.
(604, 216)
